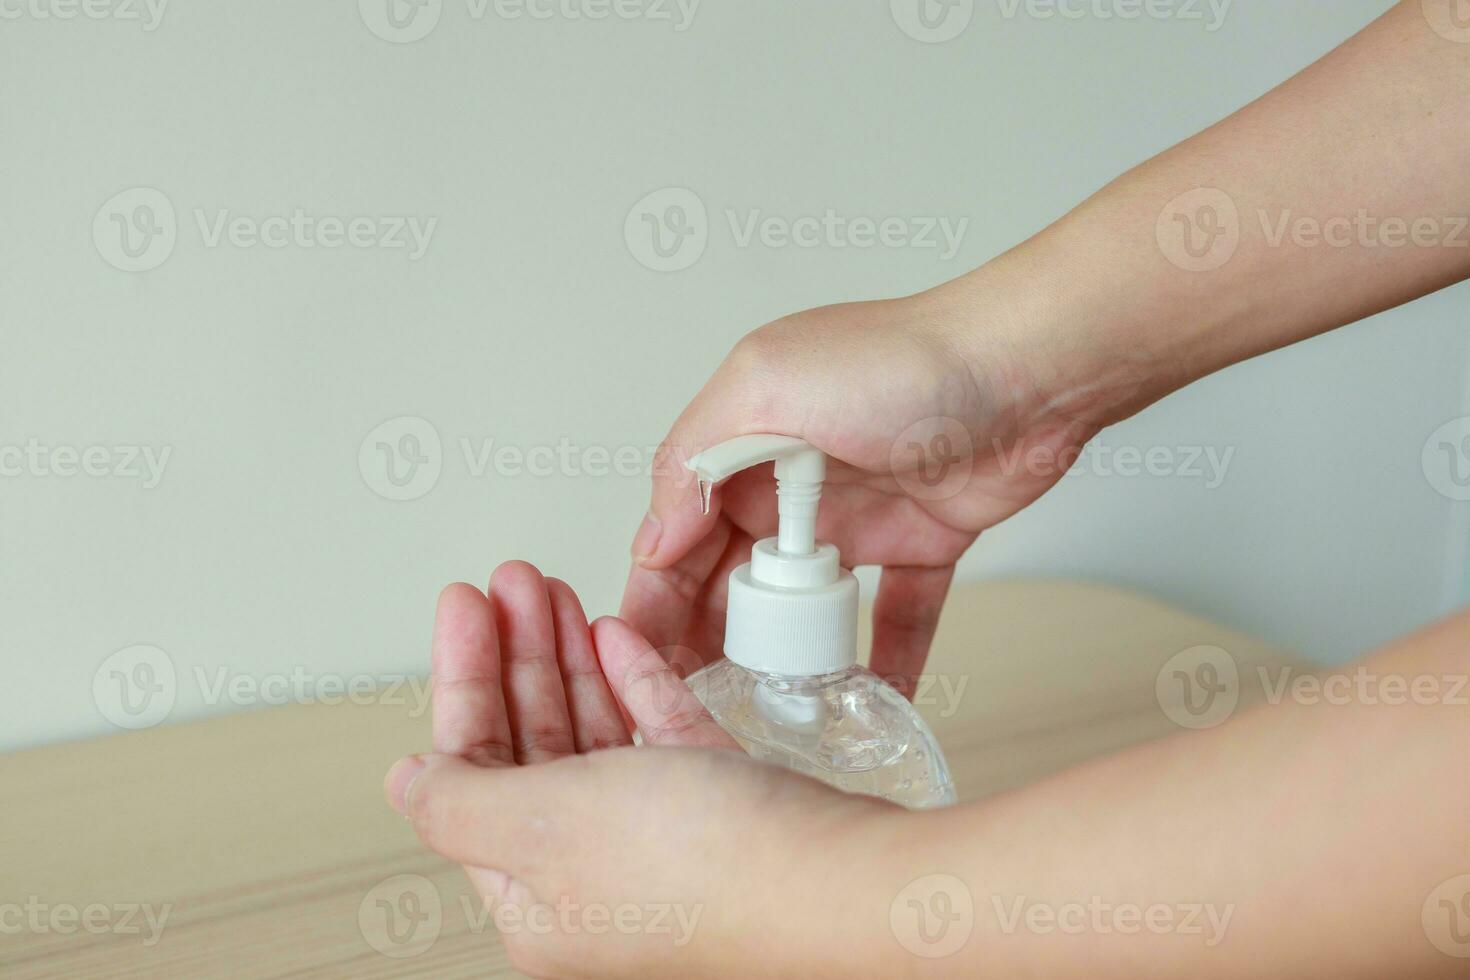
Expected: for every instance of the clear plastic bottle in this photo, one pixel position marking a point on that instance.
(790, 690)
(849, 729)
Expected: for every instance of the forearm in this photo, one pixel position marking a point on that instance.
(1306, 836)
(1347, 187)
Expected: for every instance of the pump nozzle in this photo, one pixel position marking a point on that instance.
(792, 609)
(800, 470)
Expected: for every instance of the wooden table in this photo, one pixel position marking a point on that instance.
(265, 837)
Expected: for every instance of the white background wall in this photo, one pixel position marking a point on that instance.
(264, 550)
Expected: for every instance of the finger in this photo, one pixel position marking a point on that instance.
(470, 814)
(676, 518)
(705, 633)
(905, 616)
(664, 708)
(468, 703)
(540, 727)
(597, 723)
(658, 603)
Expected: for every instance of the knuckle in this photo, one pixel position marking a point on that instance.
(543, 741)
(758, 351)
(682, 582)
(601, 741)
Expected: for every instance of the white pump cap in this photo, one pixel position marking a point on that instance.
(792, 608)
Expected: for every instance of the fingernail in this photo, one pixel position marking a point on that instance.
(400, 781)
(645, 542)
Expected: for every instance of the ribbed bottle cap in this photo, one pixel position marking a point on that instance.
(792, 629)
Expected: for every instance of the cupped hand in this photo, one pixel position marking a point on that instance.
(596, 858)
(936, 426)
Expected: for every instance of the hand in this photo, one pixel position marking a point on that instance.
(872, 385)
(595, 858)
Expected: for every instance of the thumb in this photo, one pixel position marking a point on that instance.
(480, 816)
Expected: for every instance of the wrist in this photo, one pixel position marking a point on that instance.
(1066, 336)
(827, 894)
(917, 902)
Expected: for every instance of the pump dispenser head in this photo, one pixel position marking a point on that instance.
(792, 608)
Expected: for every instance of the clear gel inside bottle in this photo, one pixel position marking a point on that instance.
(848, 728)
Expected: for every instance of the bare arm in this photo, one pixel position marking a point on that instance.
(1307, 838)
(1342, 193)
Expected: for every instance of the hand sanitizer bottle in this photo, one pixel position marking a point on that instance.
(790, 690)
